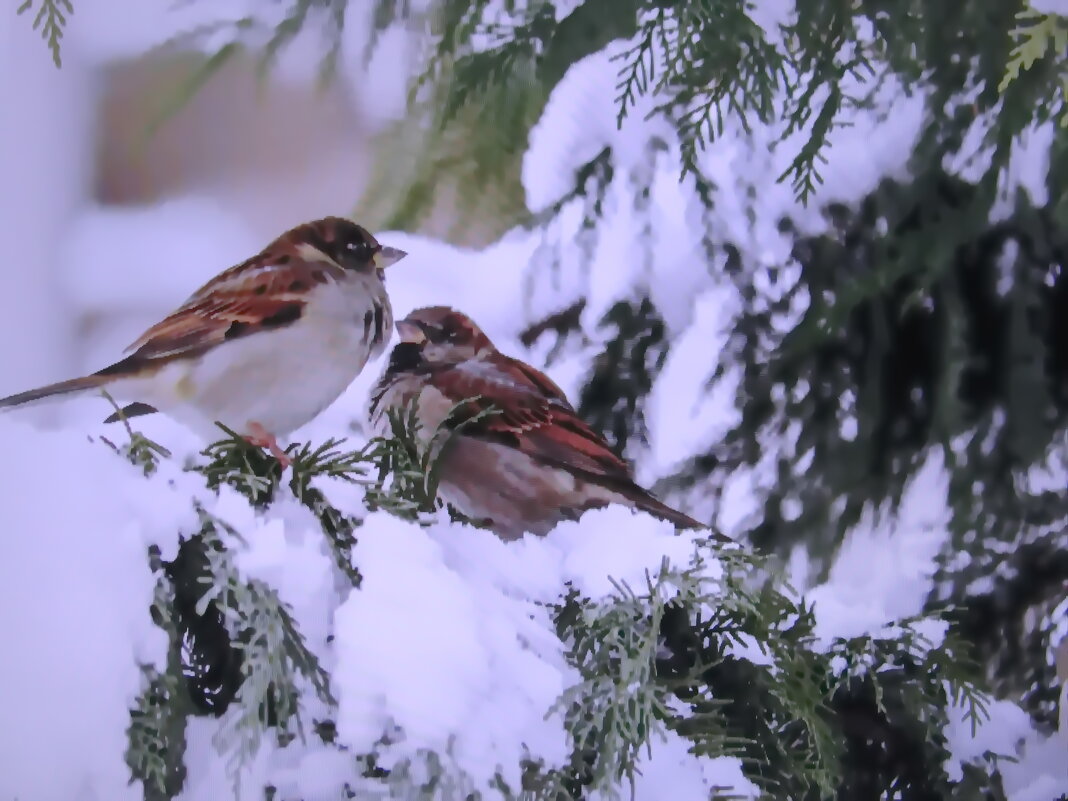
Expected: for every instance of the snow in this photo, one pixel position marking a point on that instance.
(448, 637)
(862, 592)
(681, 411)
(472, 606)
(688, 777)
(1007, 727)
(609, 547)
(1051, 6)
(46, 174)
(1040, 771)
(488, 688)
(103, 278)
(74, 620)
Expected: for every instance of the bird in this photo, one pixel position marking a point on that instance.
(519, 458)
(264, 346)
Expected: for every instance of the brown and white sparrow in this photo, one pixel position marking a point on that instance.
(264, 346)
(519, 459)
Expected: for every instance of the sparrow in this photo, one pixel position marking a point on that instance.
(519, 458)
(262, 347)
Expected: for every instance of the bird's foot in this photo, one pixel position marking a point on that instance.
(262, 438)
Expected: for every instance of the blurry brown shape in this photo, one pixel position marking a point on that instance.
(280, 150)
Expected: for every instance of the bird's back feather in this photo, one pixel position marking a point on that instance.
(514, 406)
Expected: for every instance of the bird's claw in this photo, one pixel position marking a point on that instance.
(261, 438)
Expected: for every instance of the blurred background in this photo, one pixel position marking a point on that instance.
(818, 302)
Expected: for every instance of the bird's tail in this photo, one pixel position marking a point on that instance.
(69, 387)
(647, 503)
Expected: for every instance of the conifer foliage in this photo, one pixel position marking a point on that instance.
(699, 650)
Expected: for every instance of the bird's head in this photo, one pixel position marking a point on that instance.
(444, 335)
(346, 244)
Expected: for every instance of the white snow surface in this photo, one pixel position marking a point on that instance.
(74, 618)
(1051, 6)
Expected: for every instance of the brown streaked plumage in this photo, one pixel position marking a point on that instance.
(529, 463)
(263, 346)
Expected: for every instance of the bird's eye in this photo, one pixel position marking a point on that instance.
(360, 250)
(437, 334)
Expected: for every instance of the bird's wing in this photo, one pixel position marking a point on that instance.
(512, 403)
(251, 297)
(521, 407)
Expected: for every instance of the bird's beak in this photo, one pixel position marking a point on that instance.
(386, 257)
(411, 332)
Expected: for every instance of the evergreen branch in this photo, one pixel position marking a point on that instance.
(1037, 36)
(294, 21)
(51, 19)
(329, 460)
(386, 14)
(962, 675)
(335, 36)
(409, 462)
(257, 475)
(644, 643)
(473, 75)
(638, 70)
(633, 650)
(615, 394)
(792, 689)
(900, 669)
(614, 711)
(592, 181)
(455, 23)
(247, 468)
(589, 27)
(715, 62)
(802, 172)
(422, 169)
(155, 751)
(484, 87)
(1045, 33)
(273, 652)
(402, 486)
(814, 44)
(140, 450)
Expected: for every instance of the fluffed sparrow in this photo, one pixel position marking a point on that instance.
(264, 346)
(529, 463)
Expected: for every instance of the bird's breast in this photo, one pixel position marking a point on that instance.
(357, 309)
(399, 393)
